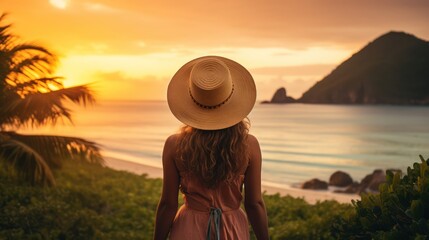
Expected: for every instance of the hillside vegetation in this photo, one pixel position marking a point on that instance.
(392, 69)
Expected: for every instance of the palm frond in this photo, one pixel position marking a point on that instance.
(28, 96)
(3, 15)
(37, 84)
(55, 149)
(27, 162)
(79, 94)
(42, 108)
(27, 49)
(3, 29)
(4, 36)
(26, 60)
(32, 66)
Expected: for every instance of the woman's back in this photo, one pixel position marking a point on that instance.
(204, 206)
(212, 157)
(227, 194)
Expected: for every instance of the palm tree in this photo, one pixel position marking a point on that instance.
(31, 96)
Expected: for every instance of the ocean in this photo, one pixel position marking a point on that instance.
(298, 141)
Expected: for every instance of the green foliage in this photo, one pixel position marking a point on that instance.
(93, 202)
(399, 211)
(294, 218)
(89, 202)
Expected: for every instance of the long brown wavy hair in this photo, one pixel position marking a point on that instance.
(214, 155)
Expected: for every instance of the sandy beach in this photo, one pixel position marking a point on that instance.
(309, 195)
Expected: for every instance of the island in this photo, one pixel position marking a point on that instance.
(392, 69)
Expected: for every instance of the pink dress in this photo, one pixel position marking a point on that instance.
(210, 212)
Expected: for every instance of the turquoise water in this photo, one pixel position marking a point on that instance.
(298, 141)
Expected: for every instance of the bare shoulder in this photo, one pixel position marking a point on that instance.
(254, 149)
(252, 141)
(172, 139)
(170, 144)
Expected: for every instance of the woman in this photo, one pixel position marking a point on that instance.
(213, 155)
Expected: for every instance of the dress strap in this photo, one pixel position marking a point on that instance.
(215, 217)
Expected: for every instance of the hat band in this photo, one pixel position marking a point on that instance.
(215, 106)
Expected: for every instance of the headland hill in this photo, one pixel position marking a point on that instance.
(392, 69)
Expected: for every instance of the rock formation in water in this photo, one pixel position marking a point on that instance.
(340, 179)
(343, 181)
(280, 96)
(315, 184)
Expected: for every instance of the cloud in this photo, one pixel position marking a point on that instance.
(98, 7)
(296, 79)
(301, 70)
(201, 24)
(116, 85)
(295, 86)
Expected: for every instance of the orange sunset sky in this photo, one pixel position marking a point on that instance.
(131, 48)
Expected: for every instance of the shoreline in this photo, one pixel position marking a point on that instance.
(311, 196)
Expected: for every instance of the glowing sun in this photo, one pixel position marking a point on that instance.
(61, 4)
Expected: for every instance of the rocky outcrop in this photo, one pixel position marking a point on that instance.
(340, 179)
(280, 96)
(351, 189)
(371, 181)
(315, 184)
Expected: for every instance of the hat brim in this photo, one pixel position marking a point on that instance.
(232, 112)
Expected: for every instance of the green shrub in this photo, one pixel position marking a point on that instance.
(89, 202)
(92, 202)
(294, 218)
(399, 211)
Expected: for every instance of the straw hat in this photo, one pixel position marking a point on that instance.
(211, 93)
